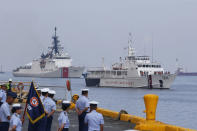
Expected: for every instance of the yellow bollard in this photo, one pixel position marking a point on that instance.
(150, 101)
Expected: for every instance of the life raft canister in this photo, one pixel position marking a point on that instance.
(68, 85)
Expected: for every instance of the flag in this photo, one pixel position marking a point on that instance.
(35, 110)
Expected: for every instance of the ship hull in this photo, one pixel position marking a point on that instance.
(92, 82)
(187, 74)
(66, 72)
(157, 82)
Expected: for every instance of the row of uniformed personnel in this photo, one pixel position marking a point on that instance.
(8, 122)
(15, 123)
(89, 119)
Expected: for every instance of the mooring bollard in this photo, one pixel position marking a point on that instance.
(150, 101)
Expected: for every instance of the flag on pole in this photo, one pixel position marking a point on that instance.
(35, 110)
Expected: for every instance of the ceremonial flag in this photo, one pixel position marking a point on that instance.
(34, 108)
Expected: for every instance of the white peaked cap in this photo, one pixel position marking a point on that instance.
(16, 105)
(93, 102)
(85, 89)
(38, 89)
(10, 79)
(66, 102)
(52, 92)
(45, 90)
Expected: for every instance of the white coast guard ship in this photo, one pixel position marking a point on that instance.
(54, 64)
(133, 71)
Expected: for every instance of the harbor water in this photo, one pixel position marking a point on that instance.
(176, 106)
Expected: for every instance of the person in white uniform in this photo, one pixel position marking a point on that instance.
(44, 95)
(39, 92)
(94, 120)
(3, 95)
(16, 121)
(63, 119)
(50, 107)
(5, 111)
(82, 106)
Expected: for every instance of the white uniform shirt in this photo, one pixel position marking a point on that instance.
(63, 119)
(82, 103)
(4, 112)
(41, 98)
(44, 102)
(15, 121)
(94, 120)
(3, 96)
(49, 104)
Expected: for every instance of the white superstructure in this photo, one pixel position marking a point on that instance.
(133, 71)
(55, 63)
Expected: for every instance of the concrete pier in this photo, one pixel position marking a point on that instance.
(126, 121)
(110, 123)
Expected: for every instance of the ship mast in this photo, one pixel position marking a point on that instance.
(56, 46)
(131, 51)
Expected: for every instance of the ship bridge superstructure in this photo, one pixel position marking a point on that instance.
(56, 53)
(142, 64)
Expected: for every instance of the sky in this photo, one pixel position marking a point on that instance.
(92, 29)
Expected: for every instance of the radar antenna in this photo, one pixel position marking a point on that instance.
(55, 49)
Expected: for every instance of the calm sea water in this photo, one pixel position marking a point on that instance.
(177, 106)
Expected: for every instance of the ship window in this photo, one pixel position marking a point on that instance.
(118, 73)
(107, 72)
(124, 73)
(144, 66)
(114, 72)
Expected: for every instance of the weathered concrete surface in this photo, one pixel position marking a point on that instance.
(110, 124)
